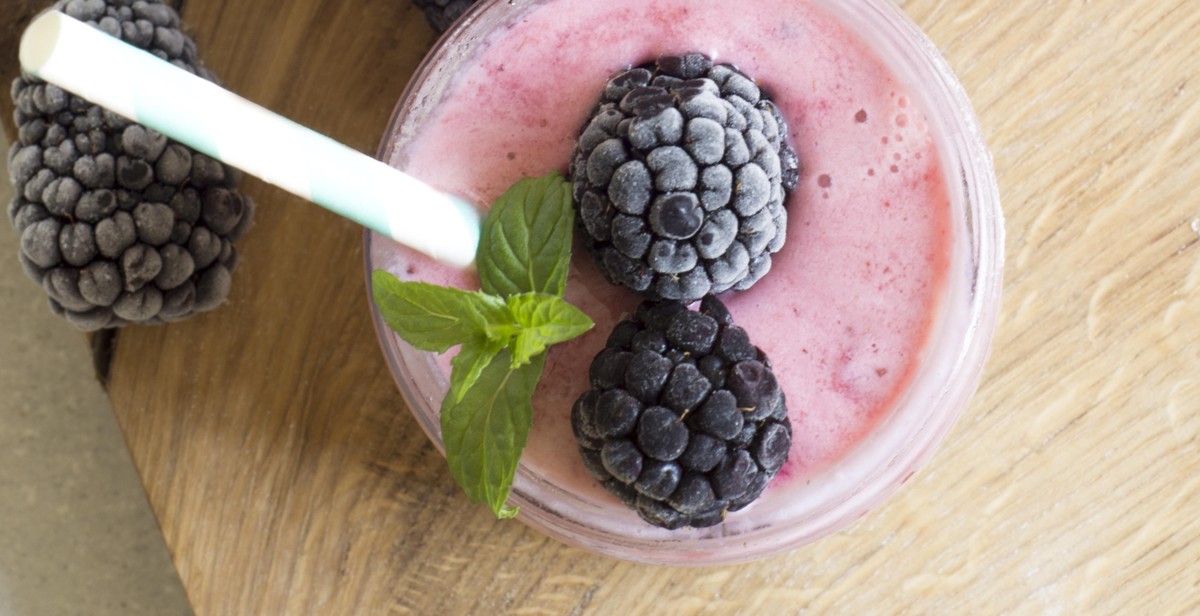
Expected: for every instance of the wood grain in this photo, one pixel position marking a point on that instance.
(289, 478)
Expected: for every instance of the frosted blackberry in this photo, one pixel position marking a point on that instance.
(118, 223)
(684, 420)
(442, 13)
(680, 178)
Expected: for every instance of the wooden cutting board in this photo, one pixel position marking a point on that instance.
(289, 478)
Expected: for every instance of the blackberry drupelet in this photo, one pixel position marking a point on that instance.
(680, 177)
(684, 420)
(442, 13)
(117, 223)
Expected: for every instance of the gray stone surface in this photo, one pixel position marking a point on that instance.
(76, 533)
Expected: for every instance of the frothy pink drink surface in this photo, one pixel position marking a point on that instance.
(847, 308)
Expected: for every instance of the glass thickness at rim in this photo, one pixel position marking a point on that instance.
(906, 440)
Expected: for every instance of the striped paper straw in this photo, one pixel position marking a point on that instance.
(135, 84)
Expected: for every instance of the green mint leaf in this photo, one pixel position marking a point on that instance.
(485, 431)
(435, 318)
(466, 367)
(544, 320)
(523, 256)
(525, 243)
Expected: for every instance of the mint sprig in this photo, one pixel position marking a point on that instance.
(502, 332)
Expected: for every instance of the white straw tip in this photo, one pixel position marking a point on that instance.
(39, 41)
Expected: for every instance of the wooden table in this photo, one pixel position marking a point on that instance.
(289, 478)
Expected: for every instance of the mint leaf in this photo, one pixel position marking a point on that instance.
(525, 243)
(523, 255)
(466, 367)
(543, 320)
(435, 318)
(485, 431)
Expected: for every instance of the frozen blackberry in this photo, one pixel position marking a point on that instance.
(118, 223)
(680, 177)
(442, 13)
(684, 414)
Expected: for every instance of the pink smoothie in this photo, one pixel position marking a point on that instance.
(847, 309)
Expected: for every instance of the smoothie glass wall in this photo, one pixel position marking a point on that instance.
(947, 374)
